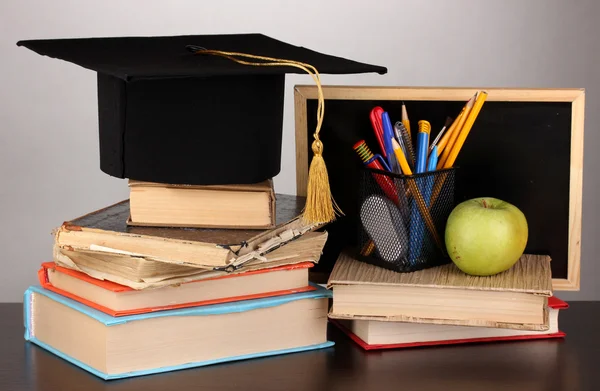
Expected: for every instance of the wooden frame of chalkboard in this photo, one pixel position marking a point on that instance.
(531, 155)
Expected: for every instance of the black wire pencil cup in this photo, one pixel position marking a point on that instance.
(403, 222)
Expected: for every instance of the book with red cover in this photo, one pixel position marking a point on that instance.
(119, 300)
(553, 303)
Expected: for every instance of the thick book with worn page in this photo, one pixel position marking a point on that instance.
(120, 300)
(516, 298)
(140, 273)
(217, 206)
(106, 231)
(142, 344)
(374, 335)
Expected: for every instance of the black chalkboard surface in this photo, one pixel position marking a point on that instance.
(519, 150)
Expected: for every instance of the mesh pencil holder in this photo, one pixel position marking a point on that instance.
(402, 219)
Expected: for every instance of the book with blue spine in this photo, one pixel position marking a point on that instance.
(135, 345)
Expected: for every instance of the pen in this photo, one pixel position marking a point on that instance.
(409, 152)
(417, 239)
(422, 146)
(375, 117)
(398, 136)
(388, 135)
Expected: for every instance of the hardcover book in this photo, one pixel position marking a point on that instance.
(106, 231)
(143, 344)
(250, 206)
(516, 298)
(375, 335)
(138, 272)
(120, 300)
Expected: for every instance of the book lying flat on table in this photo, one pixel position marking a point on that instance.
(516, 298)
(141, 273)
(373, 335)
(120, 300)
(106, 231)
(164, 341)
(216, 206)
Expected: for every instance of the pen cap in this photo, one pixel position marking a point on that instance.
(168, 114)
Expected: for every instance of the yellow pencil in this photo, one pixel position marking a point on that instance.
(455, 133)
(444, 141)
(481, 97)
(405, 121)
(401, 158)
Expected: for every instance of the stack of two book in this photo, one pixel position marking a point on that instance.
(121, 300)
(382, 309)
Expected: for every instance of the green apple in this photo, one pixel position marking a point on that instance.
(486, 236)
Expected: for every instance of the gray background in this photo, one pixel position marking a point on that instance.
(49, 165)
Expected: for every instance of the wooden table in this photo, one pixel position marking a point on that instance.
(570, 364)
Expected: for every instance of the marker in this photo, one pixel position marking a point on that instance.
(377, 162)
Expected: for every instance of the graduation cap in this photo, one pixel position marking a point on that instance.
(204, 109)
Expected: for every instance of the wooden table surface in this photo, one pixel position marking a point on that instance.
(569, 364)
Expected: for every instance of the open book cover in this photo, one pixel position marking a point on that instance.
(139, 272)
(439, 333)
(93, 292)
(106, 231)
(143, 344)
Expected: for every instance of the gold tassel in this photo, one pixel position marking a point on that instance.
(320, 206)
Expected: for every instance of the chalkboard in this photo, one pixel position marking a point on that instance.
(525, 148)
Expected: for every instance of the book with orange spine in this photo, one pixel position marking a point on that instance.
(119, 300)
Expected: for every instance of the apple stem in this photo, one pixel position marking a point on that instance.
(484, 203)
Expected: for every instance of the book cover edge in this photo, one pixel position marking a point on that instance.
(216, 309)
(360, 342)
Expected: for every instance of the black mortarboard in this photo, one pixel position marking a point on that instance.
(169, 115)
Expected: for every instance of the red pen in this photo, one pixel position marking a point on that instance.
(377, 162)
(375, 117)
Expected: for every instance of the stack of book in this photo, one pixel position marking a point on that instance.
(122, 300)
(381, 309)
(203, 263)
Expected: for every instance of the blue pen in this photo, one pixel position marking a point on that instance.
(418, 234)
(388, 134)
(422, 146)
(433, 159)
(417, 226)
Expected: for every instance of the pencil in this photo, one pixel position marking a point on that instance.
(401, 158)
(482, 96)
(442, 144)
(455, 133)
(405, 121)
